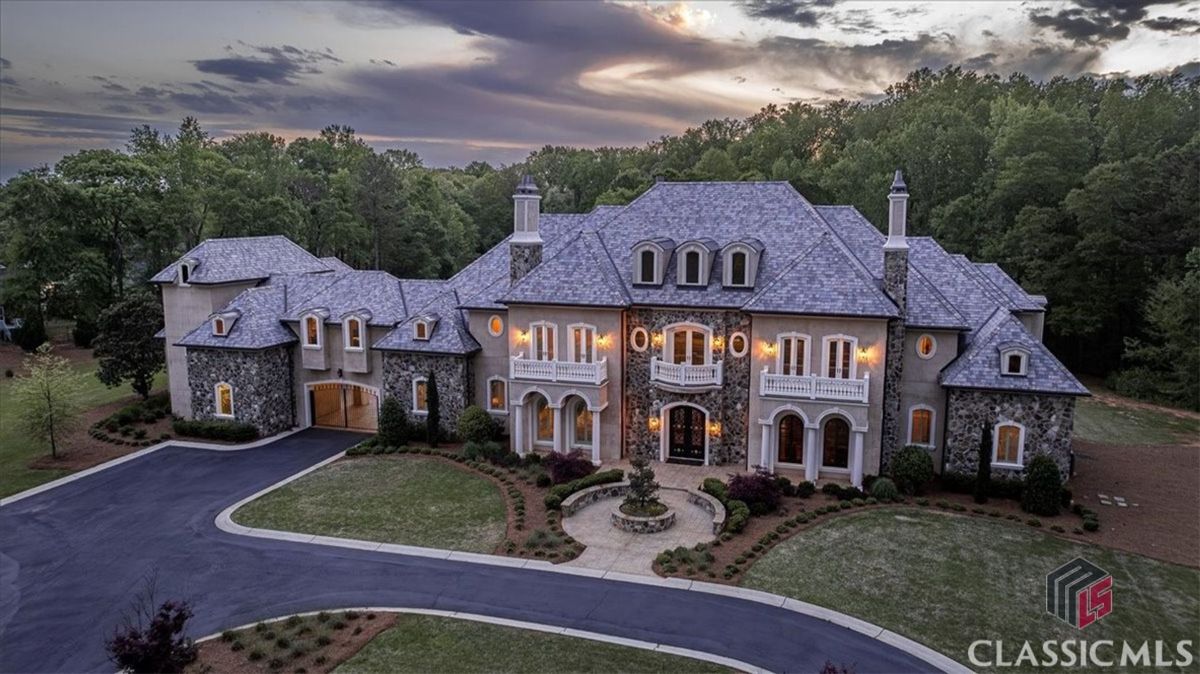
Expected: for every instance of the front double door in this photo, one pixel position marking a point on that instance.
(687, 432)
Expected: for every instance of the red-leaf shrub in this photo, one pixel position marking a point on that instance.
(567, 467)
(759, 490)
(159, 646)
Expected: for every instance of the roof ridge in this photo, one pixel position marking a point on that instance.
(937, 294)
(613, 267)
(787, 268)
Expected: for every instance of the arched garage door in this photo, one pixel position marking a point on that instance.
(340, 405)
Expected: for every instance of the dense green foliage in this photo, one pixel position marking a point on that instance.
(558, 492)
(393, 423)
(912, 469)
(476, 425)
(1083, 189)
(125, 345)
(433, 411)
(1043, 487)
(216, 429)
(983, 473)
(47, 398)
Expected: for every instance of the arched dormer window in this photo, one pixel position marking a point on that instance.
(185, 273)
(312, 331)
(421, 330)
(1014, 361)
(352, 329)
(739, 264)
(649, 261)
(219, 327)
(694, 262)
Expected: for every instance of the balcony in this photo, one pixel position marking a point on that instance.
(812, 387)
(686, 376)
(558, 371)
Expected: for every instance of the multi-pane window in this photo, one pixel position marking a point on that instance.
(1008, 444)
(312, 331)
(583, 424)
(420, 395)
(353, 334)
(793, 350)
(689, 345)
(839, 358)
(545, 420)
(497, 392)
(921, 429)
(224, 400)
(583, 343)
(421, 330)
(543, 341)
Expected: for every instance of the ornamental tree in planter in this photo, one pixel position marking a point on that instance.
(642, 498)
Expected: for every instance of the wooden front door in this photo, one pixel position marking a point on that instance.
(685, 443)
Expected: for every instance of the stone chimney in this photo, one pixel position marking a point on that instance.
(525, 247)
(895, 283)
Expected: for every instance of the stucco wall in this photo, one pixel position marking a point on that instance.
(871, 334)
(919, 384)
(261, 381)
(334, 354)
(491, 360)
(1048, 420)
(453, 382)
(185, 308)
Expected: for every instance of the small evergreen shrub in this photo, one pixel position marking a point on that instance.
(737, 516)
(883, 489)
(715, 488)
(492, 452)
(559, 492)
(229, 431)
(1043, 487)
(476, 425)
(805, 489)
(912, 469)
(393, 423)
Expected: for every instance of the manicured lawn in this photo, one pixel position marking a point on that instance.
(948, 580)
(1106, 420)
(422, 644)
(17, 449)
(393, 499)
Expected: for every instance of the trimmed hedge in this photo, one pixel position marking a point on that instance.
(476, 425)
(1043, 487)
(560, 492)
(912, 469)
(230, 431)
(738, 515)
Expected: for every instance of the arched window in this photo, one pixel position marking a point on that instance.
(1014, 362)
(420, 395)
(224, 400)
(497, 395)
(583, 343)
(185, 273)
(926, 346)
(218, 326)
(1009, 444)
(691, 268)
(738, 268)
(688, 344)
(543, 337)
(544, 416)
(581, 425)
(793, 354)
(791, 439)
(839, 356)
(835, 449)
(920, 426)
(648, 266)
(421, 330)
(312, 332)
(354, 334)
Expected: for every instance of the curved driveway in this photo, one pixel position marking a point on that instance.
(72, 557)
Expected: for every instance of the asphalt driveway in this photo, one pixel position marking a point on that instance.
(72, 558)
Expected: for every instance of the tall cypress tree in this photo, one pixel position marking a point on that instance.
(983, 480)
(433, 419)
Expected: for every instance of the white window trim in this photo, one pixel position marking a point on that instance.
(503, 401)
(1004, 356)
(362, 336)
(1020, 445)
(917, 346)
(668, 351)
(807, 356)
(727, 265)
(304, 331)
(490, 320)
(181, 273)
(415, 381)
(571, 339)
(853, 354)
(932, 426)
(551, 337)
(533, 423)
(658, 264)
(574, 410)
(224, 331)
(681, 265)
(633, 339)
(428, 330)
(217, 401)
(745, 344)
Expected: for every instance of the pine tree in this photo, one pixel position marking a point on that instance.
(643, 490)
(433, 419)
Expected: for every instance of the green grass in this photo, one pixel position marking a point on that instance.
(423, 644)
(17, 449)
(1116, 424)
(948, 580)
(393, 499)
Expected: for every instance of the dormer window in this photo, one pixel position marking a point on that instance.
(737, 268)
(185, 273)
(691, 268)
(312, 332)
(354, 328)
(649, 261)
(694, 261)
(648, 269)
(1014, 362)
(740, 264)
(219, 327)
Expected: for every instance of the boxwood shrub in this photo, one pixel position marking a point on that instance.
(230, 431)
(558, 493)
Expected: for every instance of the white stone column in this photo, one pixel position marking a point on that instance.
(595, 438)
(557, 417)
(812, 453)
(856, 458)
(764, 451)
(518, 438)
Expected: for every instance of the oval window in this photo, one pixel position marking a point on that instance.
(639, 339)
(495, 326)
(926, 346)
(738, 344)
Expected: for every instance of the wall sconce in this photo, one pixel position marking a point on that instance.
(714, 428)
(523, 337)
(864, 354)
(603, 341)
(654, 424)
(657, 339)
(718, 344)
(769, 348)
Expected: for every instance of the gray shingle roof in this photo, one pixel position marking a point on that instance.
(449, 336)
(825, 281)
(928, 308)
(581, 274)
(336, 264)
(258, 326)
(961, 289)
(979, 366)
(374, 292)
(243, 259)
(1020, 299)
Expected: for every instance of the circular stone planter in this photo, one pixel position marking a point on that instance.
(642, 525)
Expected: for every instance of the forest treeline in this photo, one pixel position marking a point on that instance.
(1085, 190)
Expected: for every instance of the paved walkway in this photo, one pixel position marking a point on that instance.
(610, 549)
(72, 557)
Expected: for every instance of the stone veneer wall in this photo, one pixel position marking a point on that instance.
(895, 282)
(523, 258)
(261, 381)
(454, 382)
(1048, 420)
(728, 405)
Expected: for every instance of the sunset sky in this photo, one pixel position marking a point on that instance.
(460, 81)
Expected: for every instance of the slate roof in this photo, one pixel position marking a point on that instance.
(1020, 299)
(373, 292)
(258, 326)
(823, 281)
(449, 336)
(979, 366)
(246, 258)
(336, 264)
(584, 253)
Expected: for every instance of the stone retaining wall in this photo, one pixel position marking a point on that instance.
(643, 525)
(585, 497)
(710, 504)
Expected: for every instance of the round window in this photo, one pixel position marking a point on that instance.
(738, 344)
(639, 339)
(495, 326)
(926, 346)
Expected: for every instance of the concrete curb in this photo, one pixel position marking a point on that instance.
(943, 663)
(531, 626)
(192, 444)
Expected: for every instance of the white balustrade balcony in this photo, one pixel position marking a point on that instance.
(812, 387)
(685, 375)
(558, 371)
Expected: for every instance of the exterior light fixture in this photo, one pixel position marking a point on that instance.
(654, 424)
(602, 341)
(864, 354)
(769, 348)
(714, 428)
(718, 343)
(523, 337)
(657, 339)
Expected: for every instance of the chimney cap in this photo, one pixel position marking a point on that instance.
(898, 186)
(527, 186)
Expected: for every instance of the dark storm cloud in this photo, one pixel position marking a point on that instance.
(265, 63)
(799, 12)
(1172, 24)
(1093, 21)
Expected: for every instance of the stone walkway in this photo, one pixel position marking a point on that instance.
(610, 549)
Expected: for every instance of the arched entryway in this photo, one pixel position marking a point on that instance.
(835, 443)
(343, 405)
(686, 438)
(791, 439)
(579, 423)
(541, 421)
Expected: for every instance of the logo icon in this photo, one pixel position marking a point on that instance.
(1079, 593)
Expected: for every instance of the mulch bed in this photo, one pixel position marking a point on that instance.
(218, 655)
